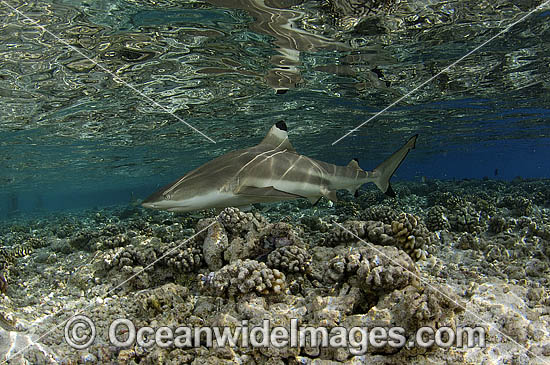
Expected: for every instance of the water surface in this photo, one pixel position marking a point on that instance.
(95, 96)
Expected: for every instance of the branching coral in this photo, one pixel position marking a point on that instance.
(241, 277)
(237, 222)
(407, 233)
(374, 269)
(290, 259)
(412, 235)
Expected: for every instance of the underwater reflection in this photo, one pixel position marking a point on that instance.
(276, 19)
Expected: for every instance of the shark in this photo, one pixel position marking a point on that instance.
(268, 172)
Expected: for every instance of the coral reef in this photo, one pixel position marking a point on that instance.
(290, 259)
(315, 224)
(406, 232)
(281, 234)
(466, 219)
(361, 263)
(374, 269)
(498, 224)
(436, 218)
(184, 258)
(243, 277)
(215, 243)
(519, 206)
(412, 235)
(470, 241)
(380, 213)
(237, 222)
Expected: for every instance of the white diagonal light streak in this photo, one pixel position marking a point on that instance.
(477, 317)
(116, 78)
(88, 307)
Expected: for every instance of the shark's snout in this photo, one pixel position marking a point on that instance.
(160, 201)
(163, 204)
(153, 201)
(148, 205)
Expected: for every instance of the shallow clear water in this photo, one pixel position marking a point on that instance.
(95, 97)
(103, 102)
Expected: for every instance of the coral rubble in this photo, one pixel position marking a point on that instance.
(445, 254)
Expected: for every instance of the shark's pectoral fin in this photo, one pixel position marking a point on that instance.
(267, 192)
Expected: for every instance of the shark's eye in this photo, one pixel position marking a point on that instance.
(168, 196)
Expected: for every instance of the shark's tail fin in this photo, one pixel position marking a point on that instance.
(385, 170)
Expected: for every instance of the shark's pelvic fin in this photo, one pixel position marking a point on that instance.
(355, 165)
(329, 194)
(267, 192)
(277, 137)
(314, 200)
(385, 170)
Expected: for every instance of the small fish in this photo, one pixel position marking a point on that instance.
(268, 172)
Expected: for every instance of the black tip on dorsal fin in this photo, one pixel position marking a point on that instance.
(356, 159)
(278, 137)
(281, 125)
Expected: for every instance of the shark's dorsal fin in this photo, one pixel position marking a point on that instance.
(278, 137)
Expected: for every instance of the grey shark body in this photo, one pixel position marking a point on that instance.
(268, 172)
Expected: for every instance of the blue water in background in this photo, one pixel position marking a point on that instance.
(73, 138)
(512, 159)
(500, 158)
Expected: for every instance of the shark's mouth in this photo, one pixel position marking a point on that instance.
(149, 205)
(181, 208)
(170, 208)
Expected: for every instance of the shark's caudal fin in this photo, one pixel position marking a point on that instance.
(385, 170)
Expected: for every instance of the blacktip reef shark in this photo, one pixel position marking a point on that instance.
(268, 172)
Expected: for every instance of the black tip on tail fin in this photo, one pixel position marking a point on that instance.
(390, 192)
